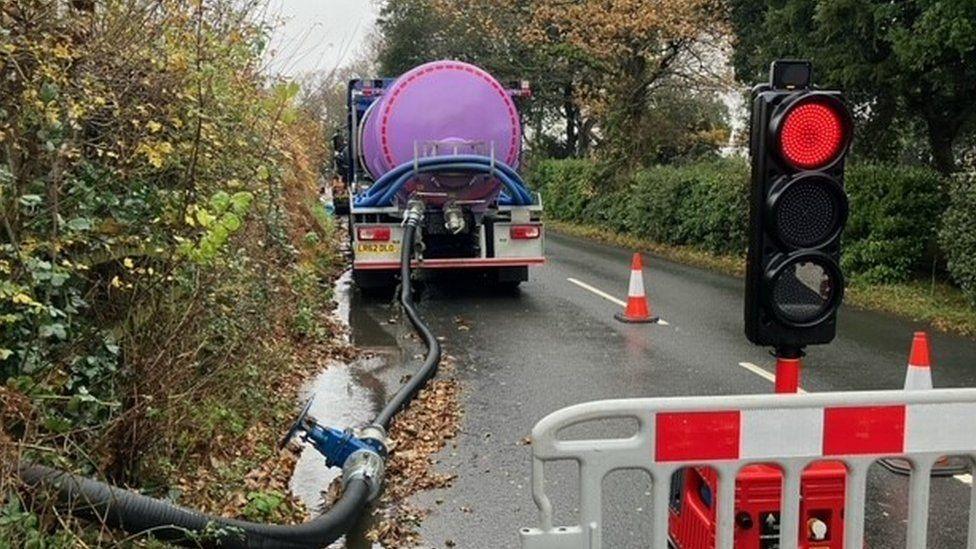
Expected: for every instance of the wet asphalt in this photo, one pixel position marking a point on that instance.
(524, 354)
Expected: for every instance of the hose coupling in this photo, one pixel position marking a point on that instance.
(375, 436)
(454, 218)
(368, 466)
(415, 212)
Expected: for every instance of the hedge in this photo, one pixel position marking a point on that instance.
(958, 235)
(891, 234)
(892, 231)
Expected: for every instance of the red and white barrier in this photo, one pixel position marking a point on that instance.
(729, 433)
(814, 432)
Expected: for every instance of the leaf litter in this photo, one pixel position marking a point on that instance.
(417, 435)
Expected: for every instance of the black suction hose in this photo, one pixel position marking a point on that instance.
(429, 369)
(138, 514)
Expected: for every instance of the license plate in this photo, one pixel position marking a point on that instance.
(377, 248)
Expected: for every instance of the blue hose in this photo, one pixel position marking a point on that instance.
(395, 173)
(382, 192)
(515, 188)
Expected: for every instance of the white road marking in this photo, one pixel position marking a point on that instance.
(606, 296)
(598, 292)
(761, 372)
(965, 479)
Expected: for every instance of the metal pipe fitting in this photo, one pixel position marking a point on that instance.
(374, 432)
(415, 212)
(454, 218)
(366, 466)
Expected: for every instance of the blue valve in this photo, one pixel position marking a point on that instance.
(336, 445)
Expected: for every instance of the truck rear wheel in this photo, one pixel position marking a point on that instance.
(509, 278)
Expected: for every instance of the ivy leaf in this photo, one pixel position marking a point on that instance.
(58, 278)
(55, 329)
(220, 201)
(230, 222)
(204, 218)
(30, 200)
(57, 424)
(241, 202)
(49, 92)
(79, 224)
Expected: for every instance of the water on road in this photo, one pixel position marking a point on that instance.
(554, 343)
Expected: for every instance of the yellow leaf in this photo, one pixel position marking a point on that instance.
(23, 299)
(128, 263)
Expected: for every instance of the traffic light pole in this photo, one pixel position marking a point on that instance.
(789, 364)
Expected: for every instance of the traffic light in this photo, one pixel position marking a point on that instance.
(799, 139)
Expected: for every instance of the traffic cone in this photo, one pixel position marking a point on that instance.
(638, 310)
(919, 378)
(919, 375)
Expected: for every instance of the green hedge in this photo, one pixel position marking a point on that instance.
(959, 235)
(893, 227)
(890, 235)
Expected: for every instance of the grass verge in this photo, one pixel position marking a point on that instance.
(937, 304)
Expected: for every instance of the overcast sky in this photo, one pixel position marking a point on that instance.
(318, 34)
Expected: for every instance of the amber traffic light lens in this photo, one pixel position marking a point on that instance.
(808, 212)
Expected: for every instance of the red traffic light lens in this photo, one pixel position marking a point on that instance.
(813, 135)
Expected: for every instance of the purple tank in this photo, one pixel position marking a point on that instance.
(440, 109)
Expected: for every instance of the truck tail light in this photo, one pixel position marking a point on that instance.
(373, 234)
(525, 232)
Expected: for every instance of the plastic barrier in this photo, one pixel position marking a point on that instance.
(729, 432)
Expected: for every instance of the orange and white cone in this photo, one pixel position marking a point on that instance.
(638, 310)
(919, 376)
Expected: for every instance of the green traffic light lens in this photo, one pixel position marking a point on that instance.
(805, 290)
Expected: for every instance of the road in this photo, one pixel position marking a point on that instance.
(555, 343)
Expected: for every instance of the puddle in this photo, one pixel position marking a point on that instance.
(345, 395)
(342, 292)
(367, 317)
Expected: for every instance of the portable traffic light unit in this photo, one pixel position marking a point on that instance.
(798, 209)
(757, 503)
(799, 139)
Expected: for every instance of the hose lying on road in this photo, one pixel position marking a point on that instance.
(433, 359)
(138, 514)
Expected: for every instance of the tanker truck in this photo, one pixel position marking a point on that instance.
(444, 138)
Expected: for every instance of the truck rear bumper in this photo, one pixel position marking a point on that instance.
(460, 263)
